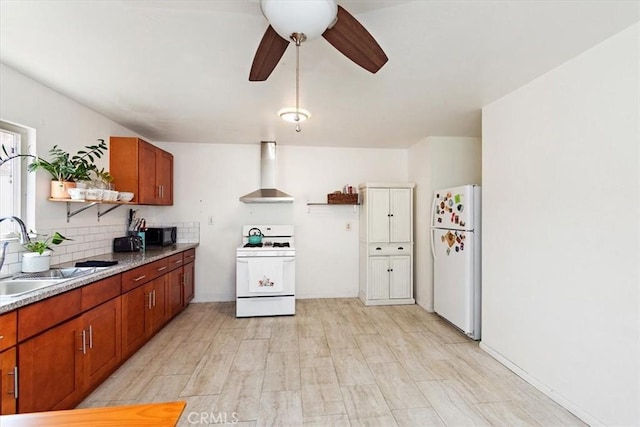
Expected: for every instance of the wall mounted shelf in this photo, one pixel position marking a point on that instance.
(309, 204)
(89, 204)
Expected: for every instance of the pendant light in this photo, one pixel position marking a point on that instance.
(297, 114)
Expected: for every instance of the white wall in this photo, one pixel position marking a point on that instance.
(561, 177)
(435, 163)
(56, 120)
(209, 179)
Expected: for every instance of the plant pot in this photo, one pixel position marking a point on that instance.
(33, 262)
(59, 189)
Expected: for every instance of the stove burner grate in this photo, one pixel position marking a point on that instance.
(268, 244)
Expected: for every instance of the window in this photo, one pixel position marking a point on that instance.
(17, 186)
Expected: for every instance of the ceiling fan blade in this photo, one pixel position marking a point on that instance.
(269, 52)
(355, 42)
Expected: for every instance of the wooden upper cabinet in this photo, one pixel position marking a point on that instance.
(143, 169)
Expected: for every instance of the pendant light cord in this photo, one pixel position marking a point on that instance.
(298, 84)
(298, 38)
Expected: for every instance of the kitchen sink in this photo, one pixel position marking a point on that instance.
(59, 273)
(14, 288)
(28, 282)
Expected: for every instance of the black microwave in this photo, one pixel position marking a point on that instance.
(160, 236)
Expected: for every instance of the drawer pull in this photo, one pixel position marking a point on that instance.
(400, 248)
(178, 261)
(378, 249)
(1, 336)
(137, 279)
(162, 268)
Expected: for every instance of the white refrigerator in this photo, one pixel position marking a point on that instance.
(455, 245)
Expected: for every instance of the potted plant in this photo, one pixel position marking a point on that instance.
(66, 170)
(38, 255)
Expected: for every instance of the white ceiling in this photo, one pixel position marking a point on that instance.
(178, 70)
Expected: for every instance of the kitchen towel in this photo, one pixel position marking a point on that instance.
(96, 263)
(265, 274)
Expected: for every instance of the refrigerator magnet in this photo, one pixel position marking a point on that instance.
(460, 207)
(448, 251)
(457, 198)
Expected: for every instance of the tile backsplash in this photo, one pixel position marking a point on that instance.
(88, 242)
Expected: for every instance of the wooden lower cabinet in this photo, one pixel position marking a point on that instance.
(134, 308)
(188, 280)
(58, 367)
(8, 375)
(174, 292)
(103, 346)
(143, 313)
(50, 369)
(65, 346)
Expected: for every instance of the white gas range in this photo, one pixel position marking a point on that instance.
(266, 272)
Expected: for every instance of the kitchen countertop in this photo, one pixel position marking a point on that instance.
(126, 261)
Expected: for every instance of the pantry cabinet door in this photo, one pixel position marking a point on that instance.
(378, 211)
(400, 209)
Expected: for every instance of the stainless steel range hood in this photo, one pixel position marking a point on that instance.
(268, 193)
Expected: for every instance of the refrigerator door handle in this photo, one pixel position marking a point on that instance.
(433, 210)
(433, 248)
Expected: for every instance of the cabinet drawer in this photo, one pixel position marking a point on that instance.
(43, 315)
(158, 268)
(390, 249)
(189, 255)
(8, 329)
(99, 292)
(175, 261)
(133, 278)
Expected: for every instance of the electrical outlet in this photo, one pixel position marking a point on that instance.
(210, 220)
(347, 227)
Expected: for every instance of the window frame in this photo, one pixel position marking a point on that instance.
(27, 181)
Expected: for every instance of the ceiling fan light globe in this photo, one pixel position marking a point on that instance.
(310, 17)
(292, 115)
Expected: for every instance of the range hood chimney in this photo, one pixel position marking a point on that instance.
(267, 192)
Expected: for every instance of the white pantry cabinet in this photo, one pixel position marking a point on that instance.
(386, 243)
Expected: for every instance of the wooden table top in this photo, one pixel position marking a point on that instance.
(149, 414)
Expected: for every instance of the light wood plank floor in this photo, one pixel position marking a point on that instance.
(335, 363)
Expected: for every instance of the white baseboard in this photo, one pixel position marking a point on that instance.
(559, 399)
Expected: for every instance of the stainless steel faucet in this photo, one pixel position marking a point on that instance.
(24, 237)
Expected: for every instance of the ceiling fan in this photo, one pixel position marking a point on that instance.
(300, 20)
